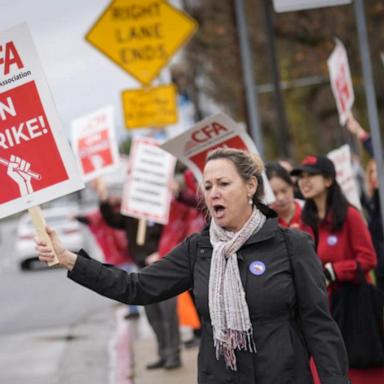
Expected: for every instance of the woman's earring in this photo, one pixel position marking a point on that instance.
(250, 201)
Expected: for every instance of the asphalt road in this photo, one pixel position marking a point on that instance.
(41, 298)
(47, 323)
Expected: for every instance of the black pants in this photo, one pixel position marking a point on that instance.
(164, 321)
(380, 282)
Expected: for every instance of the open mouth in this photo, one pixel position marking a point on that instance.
(219, 210)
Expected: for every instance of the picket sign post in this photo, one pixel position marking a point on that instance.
(141, 231)
(39, 223)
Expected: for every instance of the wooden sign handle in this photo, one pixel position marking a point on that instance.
(141, 231)
(39, 223)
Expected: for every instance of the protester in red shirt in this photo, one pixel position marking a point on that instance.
(341, 235)
(287, 208)
(112, 242)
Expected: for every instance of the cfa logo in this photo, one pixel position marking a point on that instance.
(8, 57)
(204, 134)
(207, 132)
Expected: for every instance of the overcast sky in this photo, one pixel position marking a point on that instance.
(80, 77)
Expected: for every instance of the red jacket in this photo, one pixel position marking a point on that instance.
(184, 218)
(112, 242)
(183, 221)
(344, 247)
(295, 221)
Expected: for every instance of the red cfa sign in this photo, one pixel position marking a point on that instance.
(192, 146)
(35, 160)
(94, 143)
(23, 129)
(341, 81)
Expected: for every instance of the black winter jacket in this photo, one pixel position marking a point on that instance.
(288, 305)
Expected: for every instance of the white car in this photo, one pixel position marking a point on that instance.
(60, 219)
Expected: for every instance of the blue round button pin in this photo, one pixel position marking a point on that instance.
(257, 268)
(332, 240)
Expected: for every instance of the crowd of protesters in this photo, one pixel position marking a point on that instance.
(309, 199)
(347, 240)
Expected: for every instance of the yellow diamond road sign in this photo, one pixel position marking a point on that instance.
(150, 107)
(141, 36)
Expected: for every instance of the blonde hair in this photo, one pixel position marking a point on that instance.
(247, 165)
(369, 170)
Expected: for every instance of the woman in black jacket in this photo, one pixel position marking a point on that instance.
(259, 289)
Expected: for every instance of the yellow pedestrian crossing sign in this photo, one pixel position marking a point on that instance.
(150, 107)
(141, 36)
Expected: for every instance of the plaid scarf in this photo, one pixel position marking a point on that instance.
(232, 328)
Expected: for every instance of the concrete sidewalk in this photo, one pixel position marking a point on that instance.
(144, 352)
(102, 348)
(109, 349)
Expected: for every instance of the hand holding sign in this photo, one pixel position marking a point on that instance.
(99, 186)
(51, 250)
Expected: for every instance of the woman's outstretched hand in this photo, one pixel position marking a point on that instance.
(46, 254)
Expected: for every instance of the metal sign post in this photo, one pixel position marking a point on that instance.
(370, 95)
(249, 81)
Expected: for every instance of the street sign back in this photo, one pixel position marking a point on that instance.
(298, 5)
(141, 36)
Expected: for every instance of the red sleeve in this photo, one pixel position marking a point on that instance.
(306, 228)
(361, 247)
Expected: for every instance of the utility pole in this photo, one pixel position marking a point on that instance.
(370, 95)
(282, 128)
(249, 81)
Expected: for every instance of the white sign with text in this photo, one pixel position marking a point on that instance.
(147, 193)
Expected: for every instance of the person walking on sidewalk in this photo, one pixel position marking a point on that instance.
(259, 288)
